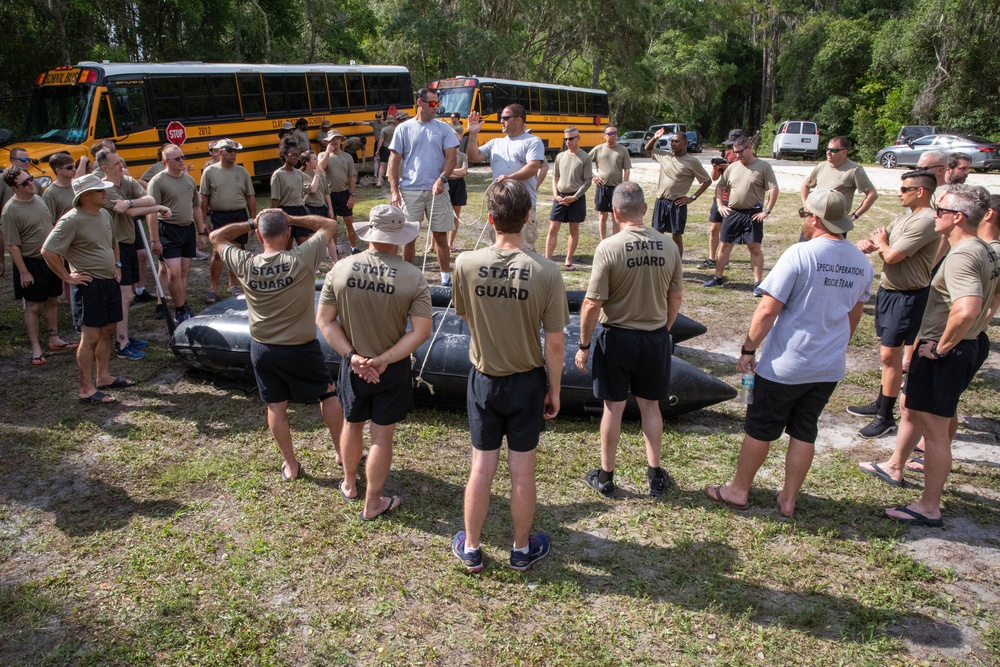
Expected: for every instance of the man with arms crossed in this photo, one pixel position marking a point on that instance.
(813, 299)
(177, 238)
(506, 293)
(636, 289)
(677, 171)
(749, 180)
(363, 310)
(278, 284)
(85, 237)
(843, 175)
(907, 247)
(342, 179)
(518, 156)
(227, 196)
(951, 347)
(612, 166)
(422, 156)
(26, 222)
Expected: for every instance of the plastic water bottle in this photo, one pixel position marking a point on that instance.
(746, 389)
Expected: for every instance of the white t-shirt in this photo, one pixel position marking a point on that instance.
(422, 147)
(819, 282)
(507, 155)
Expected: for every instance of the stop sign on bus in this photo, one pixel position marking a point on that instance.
(176, 134)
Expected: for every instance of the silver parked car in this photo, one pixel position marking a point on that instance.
(634, 141)
(985, 153)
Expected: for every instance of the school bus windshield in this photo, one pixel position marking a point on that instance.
(454, 100)
(59, 114)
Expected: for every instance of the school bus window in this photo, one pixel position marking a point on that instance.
(338, 93)
(167, 102)
(298, 98)
(274, 94)
(227, 102)
(550, 101)
(534, 100)
(318, 99)
(197, 99)
(250, 95)
(392, 89)
(102, 125)
(355, 91)
(128, 105)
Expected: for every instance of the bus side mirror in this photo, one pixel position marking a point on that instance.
(5, 137)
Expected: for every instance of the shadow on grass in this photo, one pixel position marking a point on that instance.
(695, 574)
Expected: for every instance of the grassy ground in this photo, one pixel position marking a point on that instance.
(158, 531)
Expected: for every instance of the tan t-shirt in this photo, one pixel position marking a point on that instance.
(87, 241)
(317, 199)
(154, 169)
(59, 200)
(571, 170)
(353, 145)
(846, 179)
(504, 295)
(748, 186)
(26, 224)
(971, 268)
(633, 272)
(227, 189)
(677, 173)
(289, 187)
(386, 135)
(461, 162)
(340, 170)
(280, 290)
(178, 193)
(611, 163)
(914, 235)
(124, 224)
(375, 293)
(301, 138)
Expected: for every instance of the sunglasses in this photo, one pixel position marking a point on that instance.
(504, 119)
(23, 160)
(179, 158)
(228, 150)
(804, 213)
(572, 138)
(835, 150)
(909, 188)
(433, 104)
(942, 211)
(611, 134)
(739, 150)
(27, 181)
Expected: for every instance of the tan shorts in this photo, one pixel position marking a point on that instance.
(417, 206)
(530, 231)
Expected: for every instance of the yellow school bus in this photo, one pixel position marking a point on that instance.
(550, 109)
(132, 104)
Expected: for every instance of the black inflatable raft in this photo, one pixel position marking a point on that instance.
(217, 341)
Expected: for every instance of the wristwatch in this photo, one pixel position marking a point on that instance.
(118, 264)
(938, 355)
(768, 211)
(252, 224)
(692, 197)
(587, 346)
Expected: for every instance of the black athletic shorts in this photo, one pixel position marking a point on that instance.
(101, 299)
(318, 210)
(575, 212)
(220, 219)
(458, 193)
(47, 284)
(139, 246)
(740, 227)
(383, 154)
(935, 385)
(513, 405)
(296, 373)
(713, 213)
(339, 201)
(178, 240)
(602, 198)
(668, 217)
(898, 315)
(627, 360)
(130, 264)
(792, 408)
(297, 231)
(385, 403)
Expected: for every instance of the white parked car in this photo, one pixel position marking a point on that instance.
(634, 141)
(796, 137)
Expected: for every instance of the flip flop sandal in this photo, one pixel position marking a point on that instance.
(64, 346)
(211, 297)
(39, 360)
(118, 383)
(97, 398)
(286, 478)
(346, 497)
(719, 499)
(883, 476)
(394, 502)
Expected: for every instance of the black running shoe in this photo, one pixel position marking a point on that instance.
(606, 489)
(869, 410)
(878, 427)
(660, 484)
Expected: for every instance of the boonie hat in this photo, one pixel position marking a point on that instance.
(402, 115)
(333, 133)
(88, 183)
(229, 143)
(733, 136)
(387, 224)
(325, 123)
(831, 208)
(287, 125)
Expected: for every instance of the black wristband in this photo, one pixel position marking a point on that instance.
(938, 355)
(745, 351)
(585, 347)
